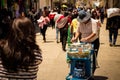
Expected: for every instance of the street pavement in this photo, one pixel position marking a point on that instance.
(55, 67)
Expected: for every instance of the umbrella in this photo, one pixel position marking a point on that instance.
(111, 12)
(64, 6)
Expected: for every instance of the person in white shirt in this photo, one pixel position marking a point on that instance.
(56, 18)
(88, 29)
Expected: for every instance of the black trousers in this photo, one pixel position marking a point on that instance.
(52, 23)
(63, 36)
(113, 33)
(96, 44)
(43, 31)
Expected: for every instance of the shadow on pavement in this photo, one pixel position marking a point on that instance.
(102, 43)
(49, 41)
(117, 46)
(114, 45)
(100, 77)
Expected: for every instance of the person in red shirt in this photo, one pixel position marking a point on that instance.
(51, 17)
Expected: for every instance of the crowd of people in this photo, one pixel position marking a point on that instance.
(19, 53)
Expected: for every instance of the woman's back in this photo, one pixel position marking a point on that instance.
(21, 73)
(19, 53)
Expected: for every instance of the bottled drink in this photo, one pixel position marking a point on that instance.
(79, 70)
(69, 35)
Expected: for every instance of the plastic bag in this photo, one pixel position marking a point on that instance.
(111, 12)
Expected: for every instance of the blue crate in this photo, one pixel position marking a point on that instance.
(76, 71)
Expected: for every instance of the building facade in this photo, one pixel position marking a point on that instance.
(24, 5)
(112, 3)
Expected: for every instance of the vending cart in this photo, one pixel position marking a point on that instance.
(80, 59)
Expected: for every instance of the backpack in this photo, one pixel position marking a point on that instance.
(62, 22)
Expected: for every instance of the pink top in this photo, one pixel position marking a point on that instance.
(43, 21)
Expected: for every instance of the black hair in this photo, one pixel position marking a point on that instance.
(17, 51)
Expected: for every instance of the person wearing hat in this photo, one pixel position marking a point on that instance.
(87, 28)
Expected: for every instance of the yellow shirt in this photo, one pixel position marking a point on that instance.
(74, 24)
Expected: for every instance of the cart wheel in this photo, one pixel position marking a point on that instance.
(67, 79)
(91, 78)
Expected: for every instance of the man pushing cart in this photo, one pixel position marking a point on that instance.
(89, 31)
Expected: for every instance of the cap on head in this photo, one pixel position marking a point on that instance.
(83, 16)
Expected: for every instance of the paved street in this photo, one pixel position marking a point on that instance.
(54, 66)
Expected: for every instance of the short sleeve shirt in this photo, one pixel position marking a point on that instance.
(74, 23)
(87, 29)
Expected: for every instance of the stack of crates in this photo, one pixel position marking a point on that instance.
(80, 68)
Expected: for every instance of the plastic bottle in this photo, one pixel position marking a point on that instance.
(76, 73)
(69, 35)
(79, 70)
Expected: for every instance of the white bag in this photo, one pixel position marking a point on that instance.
(111, 12)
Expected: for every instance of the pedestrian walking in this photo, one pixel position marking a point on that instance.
(31, 14)
(63, 26)
(88, 29)
(98, 23)
(113, 24)
(43, 23)
(95, 13)
(19, 53)
(51, 17)
(102, 16)
(57, 17)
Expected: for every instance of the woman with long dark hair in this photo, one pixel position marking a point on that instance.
(19, 53)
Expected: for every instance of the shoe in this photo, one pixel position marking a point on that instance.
(44, 41)
(64, 50)
(111, 44)
(57, 41)
(91, 78)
